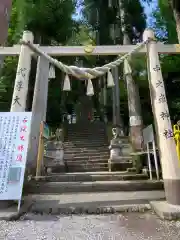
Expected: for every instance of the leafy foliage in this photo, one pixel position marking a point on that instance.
(50, 21)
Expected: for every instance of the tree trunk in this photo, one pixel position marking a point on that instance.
(174, 4)
(177, 19)
(135, 118)
(5, 9)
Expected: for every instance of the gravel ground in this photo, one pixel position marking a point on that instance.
(130, 226)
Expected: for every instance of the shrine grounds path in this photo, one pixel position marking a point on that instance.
(128, 226)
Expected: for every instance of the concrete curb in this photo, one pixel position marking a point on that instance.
(98, 210)
(165, 211)
(11, 214)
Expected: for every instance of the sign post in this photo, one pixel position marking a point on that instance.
(14, 140)
(44, 134)
(148, 135)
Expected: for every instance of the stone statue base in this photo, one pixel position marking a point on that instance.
(115, 148)
(119, 148)
(54, 153)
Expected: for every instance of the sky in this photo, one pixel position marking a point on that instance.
(148, 11)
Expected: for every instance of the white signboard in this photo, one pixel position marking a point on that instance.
(148, 134)
(14, 138)
(135, 121)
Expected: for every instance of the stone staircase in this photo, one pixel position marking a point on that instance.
(86, 147)
(85, 182)
(86, 166)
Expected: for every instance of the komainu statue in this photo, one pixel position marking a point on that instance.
(59, 135)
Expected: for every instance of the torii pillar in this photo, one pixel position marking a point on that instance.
(39, 107)
(167, 148)
(22, 76)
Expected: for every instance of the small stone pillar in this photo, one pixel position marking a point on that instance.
(167, 147)
(22, 76)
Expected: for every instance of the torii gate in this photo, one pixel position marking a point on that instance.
(167, 148)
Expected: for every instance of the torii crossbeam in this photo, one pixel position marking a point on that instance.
(97, 50)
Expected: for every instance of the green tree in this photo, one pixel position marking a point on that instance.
(51, 22)
(168, 13)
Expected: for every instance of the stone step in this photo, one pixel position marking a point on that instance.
(86, 139)
(87, 127)
(76, 177)
(86, 154)
(87, 145)
(95, 132)
(97, 161)
(80, 154)
(87, 151)
(101, 173)
(85, 134)
(82, 158)
(85, 142)
(90, 147)
(94, 203)
(78, 160)
(91, 134)
(74, 143)
(56, 168)
(98, 186)
(73, 154)
(80, 166)
(75, 168)
(85, 131)
(95, 157)
(88, 130)
(87, 164)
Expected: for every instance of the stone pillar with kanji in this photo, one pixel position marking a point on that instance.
(22, 76)
(166, 143)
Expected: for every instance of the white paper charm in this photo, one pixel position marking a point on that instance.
(110, 80)
(52, 72)
(90, 89)
(67, 85)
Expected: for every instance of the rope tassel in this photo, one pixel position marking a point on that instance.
(67, 85)
(90, 89)
(127, 67)
(52, 72)
(110, 80)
